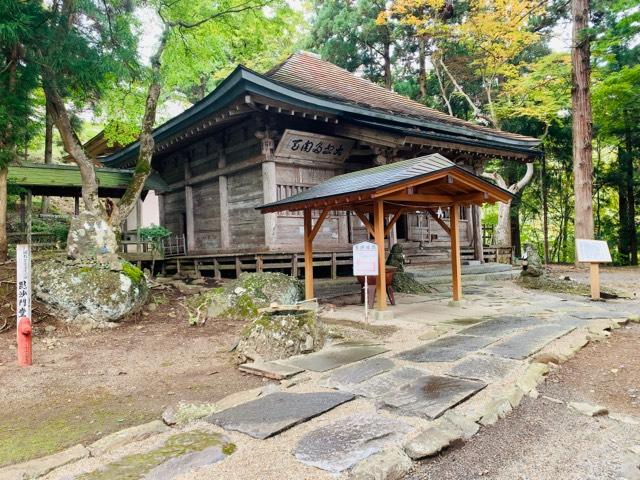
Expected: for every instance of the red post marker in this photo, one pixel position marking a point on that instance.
(24, 342)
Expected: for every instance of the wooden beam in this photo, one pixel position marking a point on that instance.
(456, 267)
(381, 284)
(366, 223)
(441, 222)
(316, 227)
(393, 221)
(420, 198)
(475, 198)
(308, 256)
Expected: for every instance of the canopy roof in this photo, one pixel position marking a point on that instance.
(304, 82)
(65, 180)
(427, 181)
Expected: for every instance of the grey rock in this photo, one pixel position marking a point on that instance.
(344, 442)
(501, 326)
(484, 367)
(126, 436)
(446, 349)
(50, 329)
(464, 425)
(90, 237)
(524, 344)
(390, 464)
(42, 466)
(494, 410)
(532, 265)
(186, 463)
(430, 396)
(169, 416)
(273, 370)
(86, 293)
(588, 409)
(358, 373)
(431, 441)
(335, 356)
(272, 414)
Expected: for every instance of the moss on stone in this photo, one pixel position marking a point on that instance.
(229, 448)
(134, 273)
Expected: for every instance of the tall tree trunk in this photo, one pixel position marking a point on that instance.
(388, 78)
(545, 208)
(582, 132)
(422, 75)
(4, 172)
(503, 229)
(48, 152)
(629, 192)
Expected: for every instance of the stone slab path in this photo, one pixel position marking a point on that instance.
(335, 356)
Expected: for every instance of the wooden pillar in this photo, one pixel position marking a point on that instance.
(378, 228)
(188, 201)
(225, 237)
(76, 205)
(308, 256)
(456, 268)
(594, 274)
(270, 195)
(161, 208)
(28, 215)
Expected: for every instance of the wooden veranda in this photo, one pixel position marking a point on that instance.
(380, 195)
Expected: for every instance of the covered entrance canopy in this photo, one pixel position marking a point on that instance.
(386, 192)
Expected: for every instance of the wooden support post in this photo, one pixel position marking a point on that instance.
(594, 274)
(216, 269)
(334, 266)
(238, 267)
(456, 268)
(29, 215)
(378, 227)
(270, 195)
(294, 265)
(308, 256)
(259, 263)
(188, 200)
(225, 237)
(478, 241)
(76, 205)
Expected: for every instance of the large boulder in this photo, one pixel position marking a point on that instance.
(280, 334)
(241, 298)
(91, 237)
(90, 293)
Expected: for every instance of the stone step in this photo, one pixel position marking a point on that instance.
(473, 278)
(432, 273)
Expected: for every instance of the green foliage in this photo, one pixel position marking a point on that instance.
(155, 234)
(56, 227)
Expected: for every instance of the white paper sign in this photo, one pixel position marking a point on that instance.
(23, 279)
(365, 258)
(592, 251)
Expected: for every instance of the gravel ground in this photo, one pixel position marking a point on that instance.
(543, 439)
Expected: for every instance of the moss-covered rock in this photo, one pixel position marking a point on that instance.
(280, 334)
(242, 298)
(89, 293)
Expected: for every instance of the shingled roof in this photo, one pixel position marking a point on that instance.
(373, 179)
(306, 71)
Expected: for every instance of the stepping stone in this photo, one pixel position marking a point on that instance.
(345, 377)
(432, 395)
(275, 370)
(599, 314)
(484, 367)
(446, 349)
(500, 326)
(524, 344)
(177, 466)
(336, 356)
(272, 414)
(345, 442)
(379, 385)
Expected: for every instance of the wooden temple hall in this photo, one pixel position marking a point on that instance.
(268, 139)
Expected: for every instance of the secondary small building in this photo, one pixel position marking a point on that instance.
(260, 138)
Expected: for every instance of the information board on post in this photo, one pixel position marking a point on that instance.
(365, 263)
(593, 252)
(23, 303)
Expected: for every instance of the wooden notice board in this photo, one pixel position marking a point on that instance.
(593, 252)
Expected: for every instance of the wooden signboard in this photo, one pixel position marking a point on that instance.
(313, 146)
(593, 252)
(365, 263)
(590, 251)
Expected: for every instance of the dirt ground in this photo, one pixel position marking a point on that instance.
(84, 385)
(618, 278)
(543, 439)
